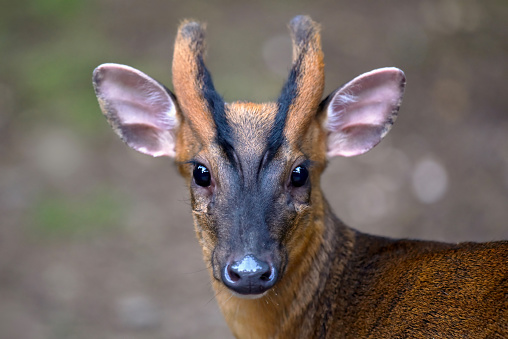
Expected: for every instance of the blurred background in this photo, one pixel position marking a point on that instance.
(96, 240)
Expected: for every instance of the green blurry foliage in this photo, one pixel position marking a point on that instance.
(57, 78)
(58, 216)
(53, 46)
(55, 9)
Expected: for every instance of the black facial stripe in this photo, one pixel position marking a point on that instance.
(303, 31)
(287, 95)
(216, 106)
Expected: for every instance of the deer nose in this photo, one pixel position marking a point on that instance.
(249, 276)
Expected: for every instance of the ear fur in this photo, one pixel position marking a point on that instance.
(138, 108)
(360, 113)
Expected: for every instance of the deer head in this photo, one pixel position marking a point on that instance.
(253, 170)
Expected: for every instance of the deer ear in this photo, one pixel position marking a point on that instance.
(139, 109)
(361, 113)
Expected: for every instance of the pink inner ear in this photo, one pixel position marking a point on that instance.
(361, 113)
(138, 107)
(138, 98)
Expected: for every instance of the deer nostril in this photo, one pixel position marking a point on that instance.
(232, 275)
(268, 275)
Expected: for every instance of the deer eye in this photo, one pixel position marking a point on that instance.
(202, 176)
(299, 176)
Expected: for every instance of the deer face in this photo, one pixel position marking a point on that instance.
(247, 202)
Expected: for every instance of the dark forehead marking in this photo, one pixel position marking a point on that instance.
(216, 106)
(286, 98)
(303, 32)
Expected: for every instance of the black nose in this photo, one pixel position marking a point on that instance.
(249, 275)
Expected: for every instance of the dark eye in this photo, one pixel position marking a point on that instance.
(202, 176)
(299, 176)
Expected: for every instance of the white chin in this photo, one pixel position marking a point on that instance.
(248, 296)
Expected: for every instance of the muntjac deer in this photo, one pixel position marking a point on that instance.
(282, 264)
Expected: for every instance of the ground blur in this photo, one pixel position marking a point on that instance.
(96, 240)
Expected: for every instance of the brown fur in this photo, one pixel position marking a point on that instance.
(358, 286)
(340, 283)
